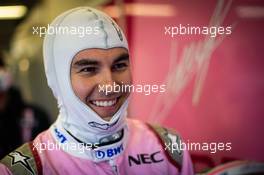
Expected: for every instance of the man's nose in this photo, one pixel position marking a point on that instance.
(107, 77)
(107, 82)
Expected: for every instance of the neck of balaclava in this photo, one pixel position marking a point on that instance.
(92, 131)
(97, 135)
(108, 146)
(87, 126)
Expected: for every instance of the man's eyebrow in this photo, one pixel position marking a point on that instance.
(122, 57)
(85, 62)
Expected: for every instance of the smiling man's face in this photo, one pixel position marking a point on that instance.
(92, 68)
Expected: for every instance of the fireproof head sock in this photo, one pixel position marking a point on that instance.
(71, 32)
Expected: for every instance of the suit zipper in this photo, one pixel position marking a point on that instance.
(114, 166)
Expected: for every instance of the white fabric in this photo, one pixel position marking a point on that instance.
(59, 50)
(67, 143)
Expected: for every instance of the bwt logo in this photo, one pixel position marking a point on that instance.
(109, 152)
(60, 136)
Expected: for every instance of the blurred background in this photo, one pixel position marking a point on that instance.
(214, 94)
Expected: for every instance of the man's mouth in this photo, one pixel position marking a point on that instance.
(105, 102)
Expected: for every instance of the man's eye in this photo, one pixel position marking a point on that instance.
(88, 70)
(119, 66)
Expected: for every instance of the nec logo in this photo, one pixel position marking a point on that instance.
(145, 159)
(60, 136)
(109, 152)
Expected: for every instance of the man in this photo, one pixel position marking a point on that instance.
(92, 134)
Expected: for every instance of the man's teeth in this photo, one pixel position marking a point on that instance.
(104, 103)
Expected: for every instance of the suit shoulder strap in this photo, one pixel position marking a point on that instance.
(23, 161)
(168, 139)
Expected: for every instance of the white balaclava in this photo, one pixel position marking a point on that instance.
(73, 31)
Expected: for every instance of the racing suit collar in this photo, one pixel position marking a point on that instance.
(91, 150)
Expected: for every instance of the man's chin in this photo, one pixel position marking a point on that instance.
(106, 118)
(106, 113)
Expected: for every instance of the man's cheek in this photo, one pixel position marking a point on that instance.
(127, 79)
(80, 89)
